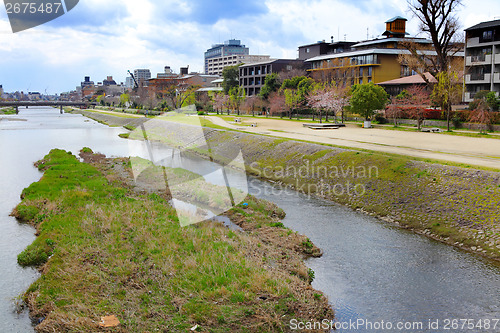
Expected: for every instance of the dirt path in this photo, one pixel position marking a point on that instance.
(458, 149)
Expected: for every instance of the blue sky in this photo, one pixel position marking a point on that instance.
(101, 38)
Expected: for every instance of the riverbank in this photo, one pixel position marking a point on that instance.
(109, 247)
(457, 206)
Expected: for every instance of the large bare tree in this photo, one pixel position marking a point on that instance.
(439, 21)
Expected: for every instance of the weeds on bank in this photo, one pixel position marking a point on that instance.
(104, 250)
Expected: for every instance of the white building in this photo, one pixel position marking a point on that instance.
(217, 64)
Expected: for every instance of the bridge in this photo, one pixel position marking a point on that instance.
(60, 104)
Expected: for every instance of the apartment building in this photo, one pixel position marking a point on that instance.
(253, 76)
(482, 59)
(142, 76)
(374, 60)
(215, 66)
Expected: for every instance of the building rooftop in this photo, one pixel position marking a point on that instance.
(259, 63)
(396, 18)
(414, 79)
(392, 39)
(210, 89)
(485, 25)
(371, 51)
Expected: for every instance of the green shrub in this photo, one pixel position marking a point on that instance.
(32, 256)
(27, 213)
(87, 150)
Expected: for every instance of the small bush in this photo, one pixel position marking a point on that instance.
(380, 119)
(457, 123)
(87, 150)
(32, 256)
(311, 275)
(27, 213)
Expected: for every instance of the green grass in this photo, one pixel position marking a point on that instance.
(107, 250)
(8, 111)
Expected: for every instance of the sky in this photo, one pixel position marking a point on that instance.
(100, 38)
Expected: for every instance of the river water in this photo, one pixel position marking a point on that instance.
(371, 271)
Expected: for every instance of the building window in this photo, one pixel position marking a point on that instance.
(308, 50)
(487, 36)
(289, 67)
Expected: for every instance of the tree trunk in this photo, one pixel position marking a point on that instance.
(326, 116)
(320, 117)
(448, 116)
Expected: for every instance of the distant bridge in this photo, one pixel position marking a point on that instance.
(27, 104)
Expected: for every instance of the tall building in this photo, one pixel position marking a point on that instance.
(1, 90)
(229, 48)
(142, 76)
(216, 65)
(373, 60)
(482, 59)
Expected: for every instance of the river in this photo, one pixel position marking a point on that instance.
(370, 270)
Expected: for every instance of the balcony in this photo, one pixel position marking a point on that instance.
(477, 78)
(469, 97)
(483, 59)
(472, 42)
(496, 78)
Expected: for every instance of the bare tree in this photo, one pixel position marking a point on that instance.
(418, 101)
(482, 115)
(396, 109)
(251, 103)
(290, 74)
(438, 20)
(277, 103)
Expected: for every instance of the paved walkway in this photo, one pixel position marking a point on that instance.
(459, 149)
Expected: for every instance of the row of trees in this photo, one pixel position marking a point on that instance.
(294, 94)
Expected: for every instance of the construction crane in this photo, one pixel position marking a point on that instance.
(136, 85)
